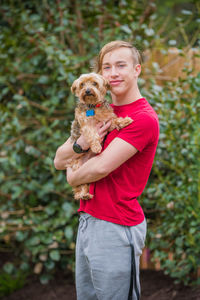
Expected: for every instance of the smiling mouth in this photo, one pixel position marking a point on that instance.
(115, 82)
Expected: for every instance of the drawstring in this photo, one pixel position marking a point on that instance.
(83, 221)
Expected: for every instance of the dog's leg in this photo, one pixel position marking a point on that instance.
(75, 131)
(82, 192)
(120, 123)
(77, 190)
(92, 138)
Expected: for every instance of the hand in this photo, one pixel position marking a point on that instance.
(69, 176)
(102, 129)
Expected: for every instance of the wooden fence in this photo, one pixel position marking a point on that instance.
(169, 65)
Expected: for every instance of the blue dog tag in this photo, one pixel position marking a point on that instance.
(90, 112)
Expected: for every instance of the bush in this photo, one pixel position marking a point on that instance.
(44, 46)
(172, 199)
(11, 280)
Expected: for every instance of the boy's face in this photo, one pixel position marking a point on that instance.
(119, 69)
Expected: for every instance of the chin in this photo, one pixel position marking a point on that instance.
(118, 92)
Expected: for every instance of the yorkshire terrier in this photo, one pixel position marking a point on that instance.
(91, 89)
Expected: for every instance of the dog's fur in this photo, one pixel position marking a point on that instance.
(91, 89)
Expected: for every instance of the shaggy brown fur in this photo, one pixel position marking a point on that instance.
(91, 89)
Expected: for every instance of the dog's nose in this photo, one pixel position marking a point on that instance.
(88, 92)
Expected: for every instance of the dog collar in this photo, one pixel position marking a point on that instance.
(91, 112)
(94, 105)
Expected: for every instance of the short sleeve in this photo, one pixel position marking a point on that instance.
(140, 132)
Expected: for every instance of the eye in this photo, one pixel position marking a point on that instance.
(94, 83)
(106, 68)
(82, 84)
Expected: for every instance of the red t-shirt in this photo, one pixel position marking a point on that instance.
(115, 196)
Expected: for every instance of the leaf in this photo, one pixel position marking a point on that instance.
(50, 210)
(43, 79)
(24, 267)
(8, 268)
(186, 12)
(172, 42)
(45, 278)
(49, 265)
(55, 255)
(68, 233)
(33, 241)
(126, 29)
(20, 236)
(67, 207)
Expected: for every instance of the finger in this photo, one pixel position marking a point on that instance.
(106, 126)
(100, 125)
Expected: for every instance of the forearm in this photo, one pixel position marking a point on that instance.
(90, 171)
(103, 164)
(66, 152)
(63, 154)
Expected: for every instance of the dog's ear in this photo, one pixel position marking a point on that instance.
(106, 83)
(74, 86)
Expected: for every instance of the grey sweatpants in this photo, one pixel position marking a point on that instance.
(107, 259)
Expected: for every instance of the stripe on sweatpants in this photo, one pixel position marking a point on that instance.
(133, 268)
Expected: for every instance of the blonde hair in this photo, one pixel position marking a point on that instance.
(137, 58)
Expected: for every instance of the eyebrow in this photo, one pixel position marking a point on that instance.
(117, 62)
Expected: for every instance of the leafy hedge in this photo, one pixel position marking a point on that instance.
(44, 46)
(172, 198)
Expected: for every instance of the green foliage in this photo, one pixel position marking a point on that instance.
(44, 46)
(11, 280)
(178, 22)
(172, 199)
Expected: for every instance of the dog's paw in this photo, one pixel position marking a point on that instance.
(127, 121)
(87, 196)
(83, 196)
(123, 122)
(77, 196)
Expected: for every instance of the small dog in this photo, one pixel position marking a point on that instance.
(91, 89)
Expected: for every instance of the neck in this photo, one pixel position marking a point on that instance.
(129, 97)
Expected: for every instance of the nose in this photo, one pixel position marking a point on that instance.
(114, 72)
(88, 92)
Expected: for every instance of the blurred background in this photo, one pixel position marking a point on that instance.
(44, 46)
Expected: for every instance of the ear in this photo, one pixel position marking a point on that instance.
(106, 83)
(74, 86)
(137, 70)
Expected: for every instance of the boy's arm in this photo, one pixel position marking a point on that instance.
(117, 152)
(66, 152)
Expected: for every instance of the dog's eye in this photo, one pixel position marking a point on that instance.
(94, 83)
(82, 84)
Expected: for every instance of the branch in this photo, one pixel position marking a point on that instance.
(26, 75)
(5, 195)
(79, 28)
(102, 20)
(22, 211)
(159, 77)
(62, 37)
(147, 12)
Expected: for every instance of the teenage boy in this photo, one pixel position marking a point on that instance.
(112, 226)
